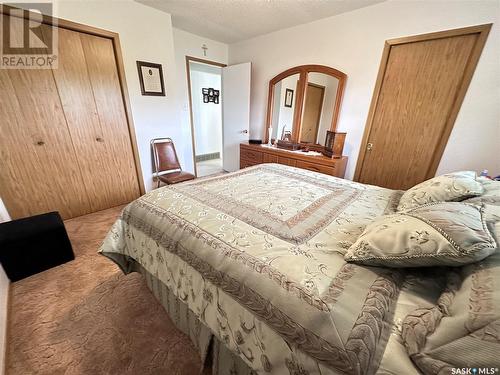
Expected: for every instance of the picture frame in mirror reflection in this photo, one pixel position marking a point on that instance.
(289, 98)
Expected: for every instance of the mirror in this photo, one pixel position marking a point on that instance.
(318, 107)
(283, 107)
(304, 102)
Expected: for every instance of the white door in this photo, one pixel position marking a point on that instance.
(235, 113)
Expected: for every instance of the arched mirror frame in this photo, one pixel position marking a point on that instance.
(303, 71)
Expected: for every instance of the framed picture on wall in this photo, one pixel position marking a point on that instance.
(288, 98)
(210, 95)
(151, 78)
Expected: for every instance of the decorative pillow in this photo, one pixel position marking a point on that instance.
(463, 329)
(446, 188)
(491, 195)
(435, 234)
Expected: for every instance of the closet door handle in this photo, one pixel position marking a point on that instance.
(99, 139)
(40, 143)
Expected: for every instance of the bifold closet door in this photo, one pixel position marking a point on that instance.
(92, 101)
(121, 170)
(65, 143)
(38, 167)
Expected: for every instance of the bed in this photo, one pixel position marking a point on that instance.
(251, 266)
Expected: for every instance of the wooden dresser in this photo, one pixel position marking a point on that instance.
(257, 154)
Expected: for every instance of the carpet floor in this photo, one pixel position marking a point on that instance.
(86, 317)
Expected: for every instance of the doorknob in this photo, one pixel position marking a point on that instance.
(369, 146)
(244, 131)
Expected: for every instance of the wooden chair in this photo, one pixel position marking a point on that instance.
(166, 165)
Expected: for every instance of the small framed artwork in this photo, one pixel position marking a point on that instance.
(210, 95)
(288, 98)
(151, 78)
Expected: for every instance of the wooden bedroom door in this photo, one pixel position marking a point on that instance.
(420, 87)
(313, 106)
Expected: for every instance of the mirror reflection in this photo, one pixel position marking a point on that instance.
(318, 109)
(283, 107)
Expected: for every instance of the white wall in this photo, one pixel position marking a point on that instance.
(187, 44)
(353, 42)
(207, 117)
(4, 294)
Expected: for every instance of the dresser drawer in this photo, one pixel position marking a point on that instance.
(251, 155)
(316, 167)
(287, 161)
(268, 158)
(247, 163)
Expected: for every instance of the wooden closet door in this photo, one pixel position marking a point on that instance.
(421, 85)
(98, 136)
(38, 167)
(103, 74)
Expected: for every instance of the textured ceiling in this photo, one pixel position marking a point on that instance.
(230, 21)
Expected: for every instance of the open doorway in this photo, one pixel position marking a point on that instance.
(205, 98)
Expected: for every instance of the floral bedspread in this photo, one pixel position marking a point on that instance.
(257, 255)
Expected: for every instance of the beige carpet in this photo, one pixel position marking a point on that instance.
(86, 317)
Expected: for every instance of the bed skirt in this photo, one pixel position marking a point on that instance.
(211, 350)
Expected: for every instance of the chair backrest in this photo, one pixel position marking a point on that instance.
(164, 156)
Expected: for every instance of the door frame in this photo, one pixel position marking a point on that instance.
(483, 31)
(115, 39)
(188, 72)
